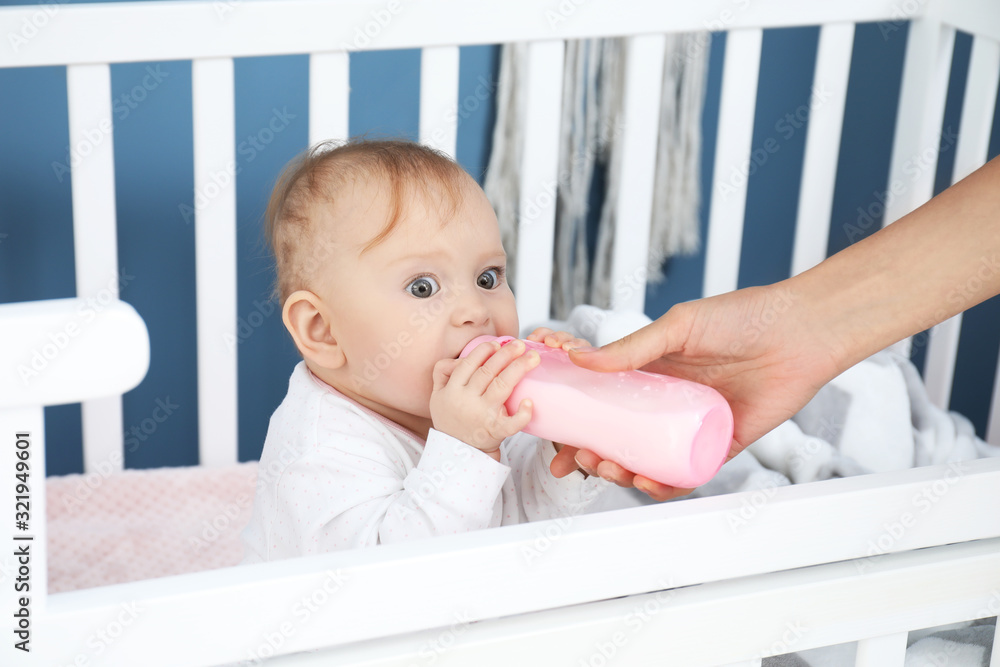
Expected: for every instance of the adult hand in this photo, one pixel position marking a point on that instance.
(754, 346)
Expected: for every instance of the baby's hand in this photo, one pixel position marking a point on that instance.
(468, 398)
(562, 339)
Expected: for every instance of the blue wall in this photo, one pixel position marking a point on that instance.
(154, 195)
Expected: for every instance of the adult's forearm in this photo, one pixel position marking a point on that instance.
(939, 260)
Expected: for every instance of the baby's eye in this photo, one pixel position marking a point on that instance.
(489, 279)
(423, 287)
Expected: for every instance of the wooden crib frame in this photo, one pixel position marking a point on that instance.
(675, 584)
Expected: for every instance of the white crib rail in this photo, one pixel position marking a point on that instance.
(718, 623)
(69, 350)
(560, 563)
(93, 34)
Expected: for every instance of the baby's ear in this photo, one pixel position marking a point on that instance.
(308, 321)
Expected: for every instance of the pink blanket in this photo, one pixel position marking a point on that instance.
(142, 524)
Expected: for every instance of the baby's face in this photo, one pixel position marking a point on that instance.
(417, 297)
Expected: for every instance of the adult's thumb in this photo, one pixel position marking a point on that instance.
(633, 351)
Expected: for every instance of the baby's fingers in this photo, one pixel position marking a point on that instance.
(517, 421)
(564, 340)
(501, 386)
(442, 372)
(539, 334)
(466, 368)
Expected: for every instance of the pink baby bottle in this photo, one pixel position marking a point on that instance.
(670, 430)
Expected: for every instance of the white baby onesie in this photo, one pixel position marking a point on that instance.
(336, 475)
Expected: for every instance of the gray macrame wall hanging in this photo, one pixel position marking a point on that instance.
(593, 78)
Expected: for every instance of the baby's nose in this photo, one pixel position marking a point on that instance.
(471, 309)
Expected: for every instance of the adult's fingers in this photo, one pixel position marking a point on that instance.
(637, 349)
(563, 463)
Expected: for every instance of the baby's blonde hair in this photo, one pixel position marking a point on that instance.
(321, 174)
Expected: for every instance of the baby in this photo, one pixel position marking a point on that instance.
(389, 262)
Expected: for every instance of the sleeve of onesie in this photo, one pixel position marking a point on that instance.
(353, 490)
(542, 495)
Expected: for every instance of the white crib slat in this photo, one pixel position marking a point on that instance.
(885, 651)
(819, 168)
(91, 138)
(995, 656)
(329, 85)
(737, 105)
(439, 97)
(942, 351)
(979, 107)
(215, 257)
(970, 154)
(917, 138)
(539, 172)
(993, 430)
(634, 208)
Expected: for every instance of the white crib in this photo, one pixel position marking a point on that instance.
(668, 584)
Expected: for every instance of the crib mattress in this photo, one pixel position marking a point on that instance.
(142, 524)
